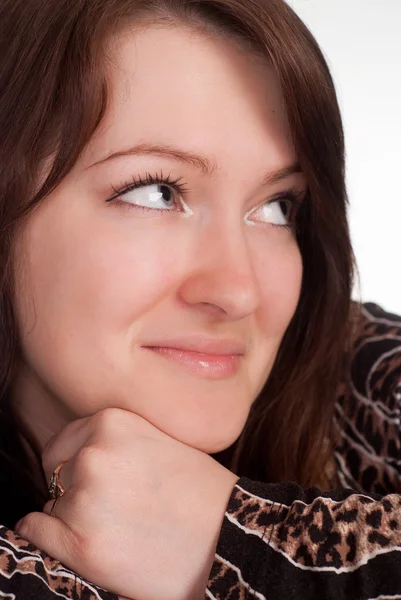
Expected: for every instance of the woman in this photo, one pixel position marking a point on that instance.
(177, 333)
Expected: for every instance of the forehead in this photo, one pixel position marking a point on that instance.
(178, 86)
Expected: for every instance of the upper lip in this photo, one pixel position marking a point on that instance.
(202, 344)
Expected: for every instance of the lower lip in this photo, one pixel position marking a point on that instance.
(209, 365)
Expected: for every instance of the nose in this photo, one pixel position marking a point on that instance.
(222, 279)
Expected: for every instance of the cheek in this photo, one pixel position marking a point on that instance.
(83, 288)
(96, 274)
(280, 275)
(122, 278)
(278, 267)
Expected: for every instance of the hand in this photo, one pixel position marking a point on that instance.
(142, 512)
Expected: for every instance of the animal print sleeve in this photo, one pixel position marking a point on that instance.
(368, 408)
(280, 541)
(29, 574)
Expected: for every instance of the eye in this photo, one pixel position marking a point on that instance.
(154, 192)
(277, 212)
(156, 196)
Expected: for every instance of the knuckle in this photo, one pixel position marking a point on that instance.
(28, 527)
(29, 522)
(109, 426)
(88, 460)
(108, 418)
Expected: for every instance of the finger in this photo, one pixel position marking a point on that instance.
(48, 534)
(66, 475)
(54, 508)
(63, 446)
(108, 423)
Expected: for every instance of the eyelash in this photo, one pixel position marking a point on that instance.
(137, 182)
(293, 195)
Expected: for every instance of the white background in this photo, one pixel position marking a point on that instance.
(361, 40)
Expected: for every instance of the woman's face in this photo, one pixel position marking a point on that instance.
(205, 258)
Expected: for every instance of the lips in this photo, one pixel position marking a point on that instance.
(207, 357)
(202, 345)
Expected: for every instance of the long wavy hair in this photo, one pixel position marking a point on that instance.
(53, 96)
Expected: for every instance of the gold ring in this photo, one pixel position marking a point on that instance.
(56, 488)
(53, 509)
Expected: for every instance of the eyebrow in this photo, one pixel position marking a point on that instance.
(202, 163)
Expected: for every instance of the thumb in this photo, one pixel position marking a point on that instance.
(48, 534)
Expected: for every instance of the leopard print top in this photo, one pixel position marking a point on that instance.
(279, 541)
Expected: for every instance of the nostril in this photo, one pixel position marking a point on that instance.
(213, 308)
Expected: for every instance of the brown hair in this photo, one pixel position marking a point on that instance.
(54, 95)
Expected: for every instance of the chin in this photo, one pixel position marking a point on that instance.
(210, 438)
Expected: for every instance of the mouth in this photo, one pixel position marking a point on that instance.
(213, 366)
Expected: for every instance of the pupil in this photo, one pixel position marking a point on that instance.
(166, 193)
(284, 208)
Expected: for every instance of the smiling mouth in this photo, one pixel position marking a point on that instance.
(214, 366)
